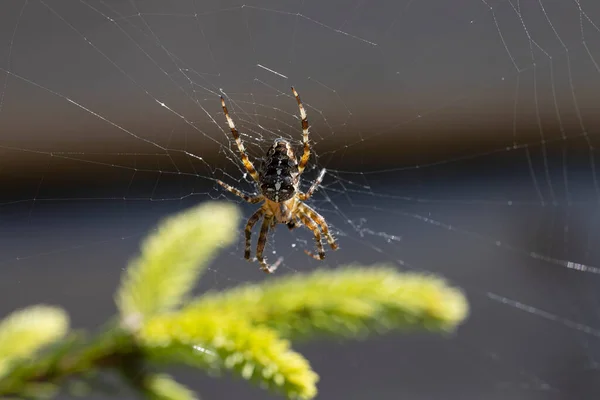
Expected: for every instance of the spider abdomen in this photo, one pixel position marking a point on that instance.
(279, 172)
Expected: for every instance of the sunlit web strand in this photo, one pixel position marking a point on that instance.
(461, 97)
(521, 146)
(531, 254)
(492, 296)
(135, 82)
(112, 165)
(545, 314)
(294, 14)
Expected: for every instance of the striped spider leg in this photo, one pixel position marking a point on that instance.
(279, 181)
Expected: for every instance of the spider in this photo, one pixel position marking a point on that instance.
(279, 182)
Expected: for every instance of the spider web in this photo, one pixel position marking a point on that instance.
(459, 139)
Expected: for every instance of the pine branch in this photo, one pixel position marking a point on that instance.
(244, 330)
(164, 387)
(26, 331)
(217, 343)
(76, 357)
(173, 258)
(349, 302)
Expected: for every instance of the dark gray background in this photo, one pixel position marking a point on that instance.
(467, 129)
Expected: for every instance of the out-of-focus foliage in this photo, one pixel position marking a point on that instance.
(348, 301)
(172, 259)
(26, 331)
(164, 387)
(245, 330)
(216, 342)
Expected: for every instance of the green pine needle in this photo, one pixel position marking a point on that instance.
(172, 259)
(347, 301)
(26, 331)
(217, 342)
(164, 387)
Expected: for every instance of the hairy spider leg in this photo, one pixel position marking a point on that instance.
(306, 154)
(318, 218)
(248, 230)
(247, 163)
(262, 241)
(312, 225)
(249, 199)
(313, 187)
(293, 224)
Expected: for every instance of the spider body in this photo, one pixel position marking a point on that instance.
(279, 182)
(279, 177)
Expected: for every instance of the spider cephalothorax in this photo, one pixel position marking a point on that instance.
(279, 182)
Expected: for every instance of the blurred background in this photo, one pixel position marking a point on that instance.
(459, 139)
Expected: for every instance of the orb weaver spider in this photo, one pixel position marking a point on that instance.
(279, 182)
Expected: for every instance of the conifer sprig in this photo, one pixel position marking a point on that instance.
(26, 331)
(349, 301)
(164, 387)
(173, 258)
(245, 330)
(216, 343)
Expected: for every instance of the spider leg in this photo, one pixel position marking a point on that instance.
(312, 225)
(245, 160)
(313, 187)
(306, 153)
(296, 223)
(262, 241)
(249, 199)
(318, 218)
(292, 225)
(248, 230)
